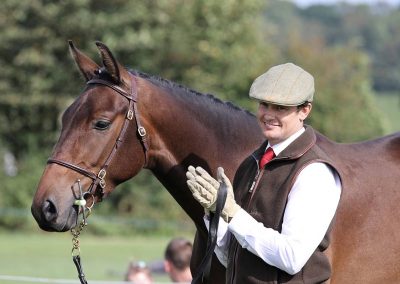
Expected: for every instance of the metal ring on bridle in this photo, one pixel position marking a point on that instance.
(129, 115)
(142, 131)
(102, 174)
(89, 197)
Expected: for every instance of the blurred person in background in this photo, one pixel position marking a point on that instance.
(138, 273)
(177, 260)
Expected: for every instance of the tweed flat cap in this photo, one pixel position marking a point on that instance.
(285, 84)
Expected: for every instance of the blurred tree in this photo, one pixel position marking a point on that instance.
(386, 56)
(375, 29)
(344, 107)
(16, 192)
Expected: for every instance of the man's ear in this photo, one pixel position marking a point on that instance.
(305, 111)
(167, 266)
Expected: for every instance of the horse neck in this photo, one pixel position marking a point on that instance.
(188, 130)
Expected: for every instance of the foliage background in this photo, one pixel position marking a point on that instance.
(212, 46)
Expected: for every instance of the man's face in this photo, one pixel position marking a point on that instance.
(279, 122)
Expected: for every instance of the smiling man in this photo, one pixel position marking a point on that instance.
(276, 220)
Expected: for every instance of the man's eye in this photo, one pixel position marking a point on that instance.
(102, 124)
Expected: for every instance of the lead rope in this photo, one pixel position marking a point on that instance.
(76, 231)
(203, 274)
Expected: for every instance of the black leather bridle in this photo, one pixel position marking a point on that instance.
(98, 180)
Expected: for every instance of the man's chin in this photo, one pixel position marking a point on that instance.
(271, 134)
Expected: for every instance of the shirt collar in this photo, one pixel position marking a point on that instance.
(282, 145)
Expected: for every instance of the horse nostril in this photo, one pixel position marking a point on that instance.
(49, 211)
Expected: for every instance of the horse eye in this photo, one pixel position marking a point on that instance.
(102, 124)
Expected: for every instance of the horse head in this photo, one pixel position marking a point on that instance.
(92, 143)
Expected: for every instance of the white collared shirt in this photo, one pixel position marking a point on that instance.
(311, 206)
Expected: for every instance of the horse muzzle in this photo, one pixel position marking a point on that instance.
(50, 218)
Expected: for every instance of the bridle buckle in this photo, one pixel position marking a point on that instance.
(102, 174)
(142, 131)
(129, 115)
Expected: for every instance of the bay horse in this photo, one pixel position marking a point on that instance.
(125, 121)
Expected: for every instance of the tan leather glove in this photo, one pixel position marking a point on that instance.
(204, 189)
(231, 207)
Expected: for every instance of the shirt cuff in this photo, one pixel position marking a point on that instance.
(236, 224)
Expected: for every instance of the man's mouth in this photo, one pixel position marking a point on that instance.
(271, 124)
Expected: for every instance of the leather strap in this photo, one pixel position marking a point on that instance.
(73, 167)
(203, 274)
(81, 275)
(131, 96)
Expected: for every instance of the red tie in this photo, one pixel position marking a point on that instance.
(268, 155)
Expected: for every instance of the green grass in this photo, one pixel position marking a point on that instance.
(389, 104)
(48, 255)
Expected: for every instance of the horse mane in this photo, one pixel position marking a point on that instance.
(185, 91)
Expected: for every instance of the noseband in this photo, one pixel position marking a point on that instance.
(98, 180)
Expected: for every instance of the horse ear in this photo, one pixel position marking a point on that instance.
(86, 65)
(117, 72)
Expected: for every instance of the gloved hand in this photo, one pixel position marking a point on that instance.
(231, 207)
(204, 189)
